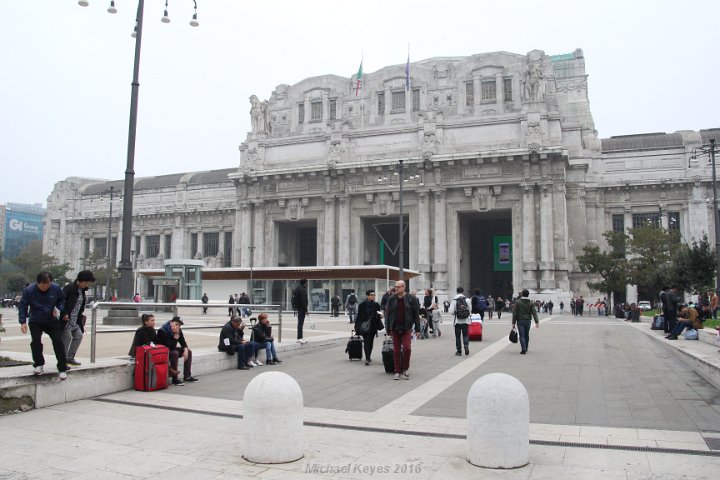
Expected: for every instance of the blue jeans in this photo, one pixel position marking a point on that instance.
(352, 314)
(245, 352)
(523, 327)
(270, 353)
(680, 326)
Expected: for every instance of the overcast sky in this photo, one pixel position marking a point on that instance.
(66, 70)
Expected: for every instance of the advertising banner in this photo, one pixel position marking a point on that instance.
(502, 253)
(20, 230)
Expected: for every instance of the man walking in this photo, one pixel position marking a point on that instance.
(351, 306)
(301, 304)
(523, 312)
(72, 315)
(40, 306)
(460, 311)
(402, 313)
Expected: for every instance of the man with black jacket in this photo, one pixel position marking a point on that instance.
(231, 341)
(403, 316)
(172, 337)
(302, 308)
(75, 300)
(40, 308)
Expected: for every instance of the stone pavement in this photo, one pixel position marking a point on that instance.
(605, 402)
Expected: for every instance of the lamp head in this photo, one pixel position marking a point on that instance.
(83, 3)
(111, 8)
(165, 18)
(194, 22)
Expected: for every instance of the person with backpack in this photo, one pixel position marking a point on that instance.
(351, 304)
(478, 303)
(460, 310)
(299, 303)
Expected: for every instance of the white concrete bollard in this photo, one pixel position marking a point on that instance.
(273, 419)
(498, 422)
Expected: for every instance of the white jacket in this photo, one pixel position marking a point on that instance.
(451, 310)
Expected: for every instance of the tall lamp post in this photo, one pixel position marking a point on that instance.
(710, 151)
(252, 260)
(413, 175)
(125, 269)
(108, 265)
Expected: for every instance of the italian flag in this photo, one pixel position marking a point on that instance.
(359, 79)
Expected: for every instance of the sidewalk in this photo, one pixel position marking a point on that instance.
(600, 391)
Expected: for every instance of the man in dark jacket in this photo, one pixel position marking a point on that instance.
(403, 316)
(302, 308)
(72, 314)
(172, 337)
(231, 341)
(523, 312)
(40, 306)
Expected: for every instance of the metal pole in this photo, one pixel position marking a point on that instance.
(125, 270)
(716, 216)
(401, 252)
(108, 264)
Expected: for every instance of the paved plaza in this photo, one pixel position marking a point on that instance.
(606, 401)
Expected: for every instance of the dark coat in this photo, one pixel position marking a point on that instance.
(37, 306)
(302, 298)
(367, 309)
(165, 337)
(412, 313)
(234, 336)
(262, 333)
(143, 336)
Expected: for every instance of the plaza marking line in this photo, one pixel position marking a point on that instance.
(419, 396)
(394, 431)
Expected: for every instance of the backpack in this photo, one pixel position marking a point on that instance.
(352, 299)
(482, 303)
(461, 308)
(295, 299)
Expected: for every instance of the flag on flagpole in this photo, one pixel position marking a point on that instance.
(359, 79)
(407, 73)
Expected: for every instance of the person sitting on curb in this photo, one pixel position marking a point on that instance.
(262, 335)
(688, 318)
(171, 335)
(145, 335)
(231, 341)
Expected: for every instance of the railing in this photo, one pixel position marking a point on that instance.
(151, 306)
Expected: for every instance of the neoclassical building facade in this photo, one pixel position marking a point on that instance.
(504, 181)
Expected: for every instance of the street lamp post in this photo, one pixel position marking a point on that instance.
(400, 172)
(108, 264)
(252, 260)
(710, 151)
(125, 269)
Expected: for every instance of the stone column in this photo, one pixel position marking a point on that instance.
(477, 94)
(439, 221)
(237, 237)
(141, 250)
(200, 244)
(245, 234)
(529, 249)
(259, 238)
(547, 257)
(343, 234)
(664, 217)
(423, 226)
(499, 94)
(162, 244)
(329, 233)
(221, 241)
(308, 111)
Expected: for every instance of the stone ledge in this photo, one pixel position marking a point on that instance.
(114, 375)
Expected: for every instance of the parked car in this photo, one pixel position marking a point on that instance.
(644, 306)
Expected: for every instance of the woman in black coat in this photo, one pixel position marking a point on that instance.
(368, 310)
(144, 335)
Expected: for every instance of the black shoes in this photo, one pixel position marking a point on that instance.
(672, 337)
(191, 379)
(467, 351)
(523, 352)
(458, 353)
(275, 360)
(243, 367)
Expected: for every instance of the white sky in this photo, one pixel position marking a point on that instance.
(66, 70)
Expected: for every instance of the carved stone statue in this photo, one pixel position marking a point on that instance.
(534, 82)
(265, 116)
(256, 115)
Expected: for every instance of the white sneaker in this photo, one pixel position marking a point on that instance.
(38, 370)
(62, 376)
(302, 341)
(252, 364)
(258, 363)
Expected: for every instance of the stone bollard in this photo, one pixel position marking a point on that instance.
(498, 422)
(273, 419)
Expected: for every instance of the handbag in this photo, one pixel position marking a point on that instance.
(691, 334)
(364, 327)
(378, 323)
(513, 337)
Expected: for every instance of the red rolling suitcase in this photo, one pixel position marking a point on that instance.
(475, 331)
(151, 368)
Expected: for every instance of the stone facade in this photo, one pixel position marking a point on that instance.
(493, 146)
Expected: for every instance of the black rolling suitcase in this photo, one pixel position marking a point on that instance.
(354, 347)
(387, 355)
